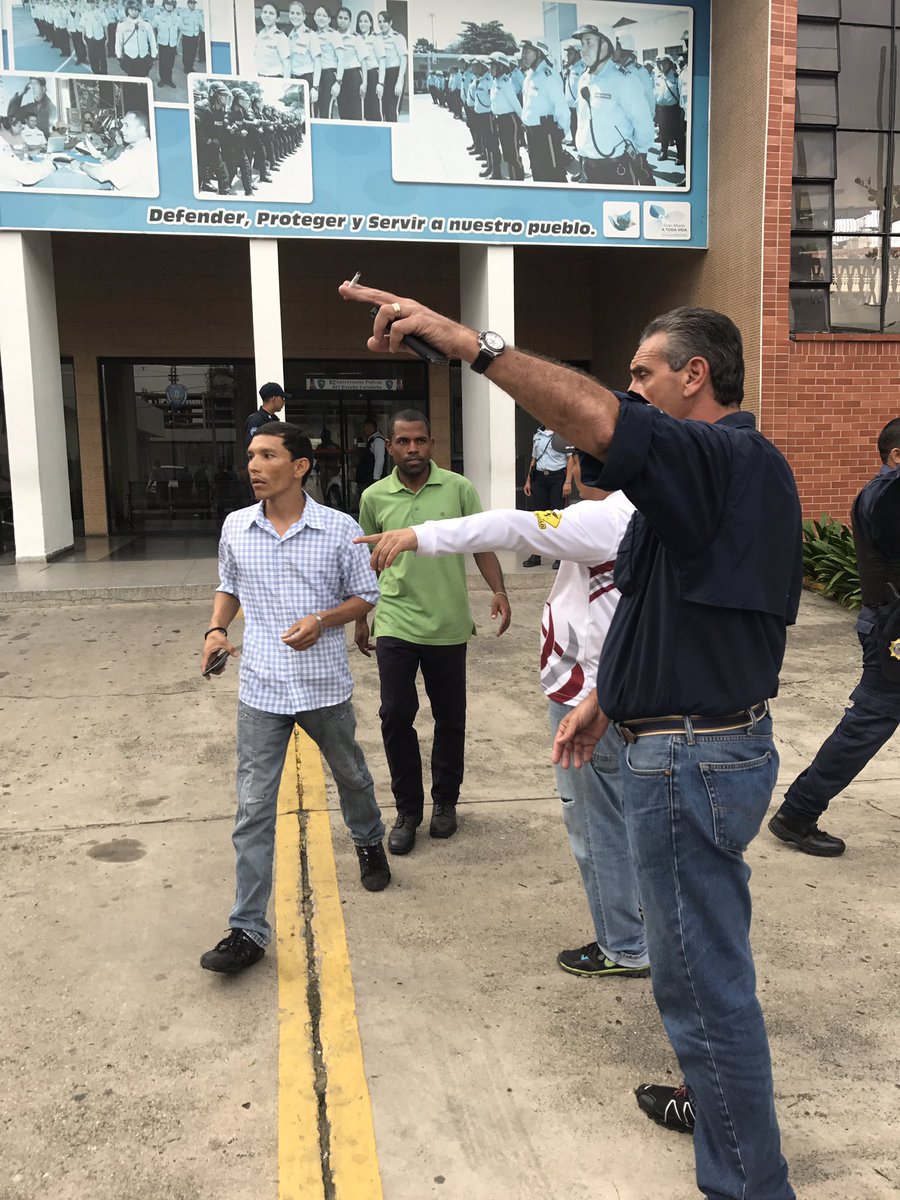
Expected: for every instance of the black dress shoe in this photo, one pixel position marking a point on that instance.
(443, 821)
(556, 564)
(806, 836)
(533, 561)
(402, 837)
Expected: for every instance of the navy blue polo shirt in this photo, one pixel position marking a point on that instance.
(710, 568)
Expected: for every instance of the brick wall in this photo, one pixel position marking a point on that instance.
(824, 397)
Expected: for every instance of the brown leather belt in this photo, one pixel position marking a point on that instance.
(672, 725)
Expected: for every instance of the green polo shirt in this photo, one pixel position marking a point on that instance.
(423, 600)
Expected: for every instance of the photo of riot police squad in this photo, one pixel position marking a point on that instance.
(160, 40)
(595, 93)
(65, 134)
(250, 139)
(355, 60)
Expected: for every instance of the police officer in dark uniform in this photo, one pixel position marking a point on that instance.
(875, 712)
(238, 144)
(273, 398)
(213, 138)
(710, 573)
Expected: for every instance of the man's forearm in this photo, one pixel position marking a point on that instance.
(567, 401)
(352, 609)
(225, 609)
(489, 566)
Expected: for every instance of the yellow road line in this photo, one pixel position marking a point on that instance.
(299, 1153)
(353, 1156)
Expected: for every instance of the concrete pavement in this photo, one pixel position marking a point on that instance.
(130, 1073)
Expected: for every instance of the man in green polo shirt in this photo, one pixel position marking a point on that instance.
(423, 620)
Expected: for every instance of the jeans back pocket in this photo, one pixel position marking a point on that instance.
(739, 795)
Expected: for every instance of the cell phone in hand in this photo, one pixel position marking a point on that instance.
(219, 659)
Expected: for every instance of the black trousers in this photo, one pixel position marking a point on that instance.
(188, 52)
(444, 674)
(349, 100)
(96, 48)
(166, 63)
(870, 721)
(546, 490)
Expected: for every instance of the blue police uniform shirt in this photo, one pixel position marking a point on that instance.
(876, 511)
(710, 568)
(257, 419)
(482, 101)
(503, 97)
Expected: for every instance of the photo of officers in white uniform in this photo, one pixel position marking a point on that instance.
(354, 60)
(160, 40)
(66, 134)
(508, 100)
(251, 139)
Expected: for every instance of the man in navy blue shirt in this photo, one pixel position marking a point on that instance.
(710, 573)
(875, 712)
(273, 398)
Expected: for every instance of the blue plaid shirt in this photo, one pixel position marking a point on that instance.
(278, 580)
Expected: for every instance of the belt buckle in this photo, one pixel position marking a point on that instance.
(625, 733)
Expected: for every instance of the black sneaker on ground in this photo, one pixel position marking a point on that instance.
(533, 560)
(233, 954)
(669, 1106)
(443, 821)
(589, 960)
(374, 872)
(556, 564)
(402, 837)
(806, 836)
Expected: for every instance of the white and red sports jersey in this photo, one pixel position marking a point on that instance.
(585, 538)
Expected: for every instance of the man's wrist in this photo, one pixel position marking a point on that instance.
(215, 629)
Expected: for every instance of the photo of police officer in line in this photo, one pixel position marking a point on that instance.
(160, 40)
(354, 60)
(70, 134)
(594, 93)
(251, 139)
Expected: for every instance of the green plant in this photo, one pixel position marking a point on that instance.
(829, 560)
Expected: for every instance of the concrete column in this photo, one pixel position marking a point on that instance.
(265, 291)
(487, 285)
(32, 387)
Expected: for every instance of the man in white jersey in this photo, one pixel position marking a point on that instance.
(577, 615)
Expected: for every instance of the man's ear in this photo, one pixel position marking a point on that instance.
(696, 375)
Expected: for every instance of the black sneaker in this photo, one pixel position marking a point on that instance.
(806, 836)
(402, 837)
(533, 560)
(590, 961)
(443, 821)
(556, 564)
(374, 872)
(669, 1106)
(233, 954)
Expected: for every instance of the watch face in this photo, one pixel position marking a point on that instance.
(493, 341)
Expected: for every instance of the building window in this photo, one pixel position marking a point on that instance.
(845, 207)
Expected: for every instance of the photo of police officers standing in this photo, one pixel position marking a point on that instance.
(354, 60)
(250, 139)
(605, 105)
(162, 41)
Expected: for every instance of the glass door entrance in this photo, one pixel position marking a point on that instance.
(331, 400)
(176, 460)
(175, 444)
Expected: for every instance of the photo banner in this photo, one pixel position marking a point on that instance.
(580, 123)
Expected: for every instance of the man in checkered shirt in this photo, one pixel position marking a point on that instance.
(291, 564)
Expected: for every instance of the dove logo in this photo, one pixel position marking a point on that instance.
(622, 219)
(667, 222)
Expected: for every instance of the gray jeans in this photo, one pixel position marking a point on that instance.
(262, 741)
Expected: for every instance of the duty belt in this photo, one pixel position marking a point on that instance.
(672, 725)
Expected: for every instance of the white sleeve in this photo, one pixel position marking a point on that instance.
(378, 453)
(589, 532)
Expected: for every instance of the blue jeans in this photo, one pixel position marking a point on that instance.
(592, 811)
(862, 731)
(262, 741)
(693, 803)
